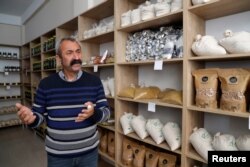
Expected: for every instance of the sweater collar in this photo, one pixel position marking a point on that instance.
(62, 76)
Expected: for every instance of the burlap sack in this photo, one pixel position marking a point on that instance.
(233, 85)
(103, 146)
(206, 85)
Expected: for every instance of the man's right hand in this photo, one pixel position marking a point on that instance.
(25, 114)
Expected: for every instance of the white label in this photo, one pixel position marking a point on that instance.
(95, 68)
(8, 87)
(151, 107)
(158, 64)
(6, 73)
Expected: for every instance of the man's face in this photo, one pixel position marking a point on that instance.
(71, 56)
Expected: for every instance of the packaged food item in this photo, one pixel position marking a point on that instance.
(167, 160)
(206, 85)
(128, 92)
(224, 142)
(171, 96)
(139, 155)
(233, 86)
(103, 141)
(111, 144)
(154, 128)
(150, 92)
(201, 140)
(152, 158)
(125, 121)
(127, 152)
(243, 142)
(139, 125)
(172, 134)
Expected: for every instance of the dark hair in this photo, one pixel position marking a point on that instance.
(59, 43)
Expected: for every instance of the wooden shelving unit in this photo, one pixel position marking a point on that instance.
(177, 73)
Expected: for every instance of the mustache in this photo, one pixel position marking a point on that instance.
(75, 62)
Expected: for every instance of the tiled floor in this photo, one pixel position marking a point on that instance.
(21, 147)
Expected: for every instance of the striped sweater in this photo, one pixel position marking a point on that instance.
(58, 102)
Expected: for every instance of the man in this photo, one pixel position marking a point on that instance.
(71, 102)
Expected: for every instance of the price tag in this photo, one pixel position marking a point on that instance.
(151, 107)
(95, 68)
(6, 73)
(158, 64)
(8, 87)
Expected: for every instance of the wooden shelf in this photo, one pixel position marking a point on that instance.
(228, 57)
(106, 156)
(175, 17)
(194, 155)
(109, 127)
(100, 11)
(147, 62)
(220, 8)
(49, 51)
(221, 112)
(102, 38)
(150, 141)
(99, 65)
(156, 101)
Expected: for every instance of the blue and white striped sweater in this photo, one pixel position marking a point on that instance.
(60, 102)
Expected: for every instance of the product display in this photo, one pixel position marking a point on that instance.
(154, 129)
(152, 158)
(224, 142)
(243, 142)
(236, 42)
(167, 160)
(125, 121)
(147, 11)
(206, 85)
(103, 141)
(162, 7)
(150, 92)
(128, 92)
(233, 86)
(201, 140)
(127, 152)
(139, 125)
(207, 46)
(162, 43)
(139, 152)
(111, 144)
(172, 134)
(171, 96)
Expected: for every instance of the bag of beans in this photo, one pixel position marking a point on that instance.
(151, 92)
(111, 144)
(152, 158)
(243, 142)
(167, 160)
(127, 152)
(224, 142)
(138, 123)
(206, 85)
(171, 96)
(154, 128)
(139, 155)
(172, 134)
(125, 121)
(233, 85)
(128, 92)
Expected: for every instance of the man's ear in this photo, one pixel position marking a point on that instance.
(58, 61)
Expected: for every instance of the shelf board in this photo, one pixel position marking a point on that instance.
(109, 127)
(241, 56)
(221, 112)
(150, 141)
(9, 59)
(10, 84)
(49, 51)
(102, 38)
(100, 11)
(194, 155)
(10, 97)
(146, 101)
(220, 8)
(171, 18)
(146, 62)
(110, 97)
(99, 65)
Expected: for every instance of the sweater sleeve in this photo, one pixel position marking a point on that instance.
(39, 106)
(102, 111)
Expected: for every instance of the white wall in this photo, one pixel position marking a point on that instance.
(10, 35)
(52, 14)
